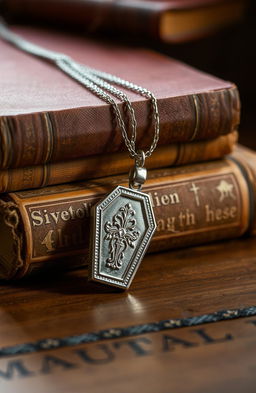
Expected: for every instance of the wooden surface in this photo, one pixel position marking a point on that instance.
(169, 285)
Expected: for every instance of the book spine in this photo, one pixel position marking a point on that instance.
(40, 138)
(247, 159)
(111, 164)
(192, 205)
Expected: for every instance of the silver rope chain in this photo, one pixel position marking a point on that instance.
(99, 83)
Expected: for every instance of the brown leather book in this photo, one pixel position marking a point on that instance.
(111, 164)
(169, 20)
(47, 117)
(193, 204)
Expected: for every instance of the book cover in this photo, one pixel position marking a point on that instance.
(168, 20)
(193, 204)
(45, 116)
(111, 164)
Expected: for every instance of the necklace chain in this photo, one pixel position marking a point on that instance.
(100, 84)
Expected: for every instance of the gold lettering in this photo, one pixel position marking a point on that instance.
(37, 218)
(48, 241)
(220, 214)
(40, 217)
(209, 214)
(166, 225)
(233, 211)
(55, 216)
(171, 224)
(47, 221)
(174, 198)
(71, 212)
(190, 218)
(65, 216)
(165, 199)
(181, 219)
(186, 218)
(87, 207)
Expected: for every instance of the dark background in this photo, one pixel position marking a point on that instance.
(231, 55)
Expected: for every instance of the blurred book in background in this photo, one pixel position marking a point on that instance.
(167, 20)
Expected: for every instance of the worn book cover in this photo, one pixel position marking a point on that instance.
(45, 116)
(193, 204)
(99, 165)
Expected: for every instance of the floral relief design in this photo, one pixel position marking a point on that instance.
(121, 233)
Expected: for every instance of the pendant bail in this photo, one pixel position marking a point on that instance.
(138, 174)
(140, 158)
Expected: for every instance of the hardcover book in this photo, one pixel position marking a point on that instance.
(95, 166)
(169, 20)
(193, 204)
(47, 117)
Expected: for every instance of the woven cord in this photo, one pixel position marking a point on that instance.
(113, 333)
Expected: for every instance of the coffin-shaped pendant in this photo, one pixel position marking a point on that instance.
(123, 224)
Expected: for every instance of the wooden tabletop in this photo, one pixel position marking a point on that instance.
(217, 357)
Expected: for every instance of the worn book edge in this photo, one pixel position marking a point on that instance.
(40, 243)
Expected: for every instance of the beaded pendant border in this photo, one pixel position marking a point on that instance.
(123, 224)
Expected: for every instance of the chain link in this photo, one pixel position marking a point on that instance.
(100, 84)
(139, 90)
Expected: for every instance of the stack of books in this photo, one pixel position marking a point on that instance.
(61, 152)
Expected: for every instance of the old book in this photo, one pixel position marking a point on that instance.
(62, 334)
(193, 204)
(169, 20)
(47, 117)
(111, 164)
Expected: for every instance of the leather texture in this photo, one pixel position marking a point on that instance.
(47, 117)
(193, 204)
(111, 164)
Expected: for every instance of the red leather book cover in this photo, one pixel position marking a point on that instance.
(45, 116)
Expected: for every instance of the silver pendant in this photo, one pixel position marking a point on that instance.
(123, 224)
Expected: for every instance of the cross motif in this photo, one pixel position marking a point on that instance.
(121, 233)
